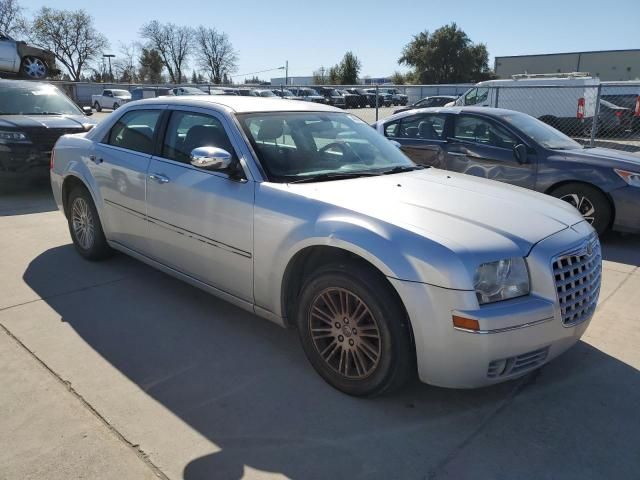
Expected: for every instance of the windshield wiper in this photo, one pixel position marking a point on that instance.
(323, 177)
(403, 169)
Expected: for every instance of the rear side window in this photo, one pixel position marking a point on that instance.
(187, 131)
(135, 130)
(423, 127)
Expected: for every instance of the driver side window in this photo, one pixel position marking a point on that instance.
(187, 131)
(482, 131)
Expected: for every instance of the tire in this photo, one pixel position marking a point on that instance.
(85, 227)
(33, 67)
(97, 107)
(377, 363)
(115, 106)
(590, 201)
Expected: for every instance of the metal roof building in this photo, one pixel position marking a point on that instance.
(608, 65)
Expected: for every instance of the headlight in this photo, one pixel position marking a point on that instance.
(495, 281)
(632, 178)
(8, 136)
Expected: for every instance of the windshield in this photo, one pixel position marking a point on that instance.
(193, 91)
(542, 133)
(297, 146)
(311, 91)
(266, 93)
(35, 100)
(121, 93)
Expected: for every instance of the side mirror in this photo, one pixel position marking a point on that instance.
(395, 144)
(211, 158)
(87, 110)
(520, 153)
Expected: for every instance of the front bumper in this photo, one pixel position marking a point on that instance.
(626, 201)
(516, 336)
(23, 161)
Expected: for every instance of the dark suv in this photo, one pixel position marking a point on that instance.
(331, 95)
(512, 147)
(33, 115)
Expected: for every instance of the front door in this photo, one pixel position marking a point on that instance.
(119, 166)
(481, 147)
(201, 221)
(421, 137)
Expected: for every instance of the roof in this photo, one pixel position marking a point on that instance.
(486, 111)
(631, 50)
(240, 104)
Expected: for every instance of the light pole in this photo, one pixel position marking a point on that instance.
(109, 56)
(286, 73)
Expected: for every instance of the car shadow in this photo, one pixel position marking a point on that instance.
(621, 248)
(25, 198)
(244, 383)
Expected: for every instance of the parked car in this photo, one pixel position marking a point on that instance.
(188, 91)
(111, 98)
(566, 102)
(246, 92)
(426, 102)
(613, 119)
(332, 96)
(150, 92)
(397, 98)
(308, 94)
(365, 98)
(351, 100)
(512, 147)
(264, 92)
(33, 115)
(285, 93)
(384, 99)
(25, 60)
(310, 218)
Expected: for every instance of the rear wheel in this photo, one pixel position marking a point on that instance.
(33, 67)
(115, 106)
(85, 227)
(354, 331)
(592, 204)
(97, 107)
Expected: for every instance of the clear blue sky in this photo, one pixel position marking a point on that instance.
(268, 32)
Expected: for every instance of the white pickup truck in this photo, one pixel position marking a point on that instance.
(110, 98)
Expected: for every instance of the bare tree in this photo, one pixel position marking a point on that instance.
(11, 19)
(127, 60)
(172, 42)
(215, 53)
(70, 35)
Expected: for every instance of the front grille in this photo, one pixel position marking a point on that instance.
(577, 275)
(46, 138)
(519, 364)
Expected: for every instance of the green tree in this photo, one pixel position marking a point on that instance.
(150, 66)
(70, 35)
(446, 56)
(398, 78)
(194, 77)
(349, 69)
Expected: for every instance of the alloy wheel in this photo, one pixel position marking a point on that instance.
(345, 333)
(34, 67)
(83, 223)
(582, 204)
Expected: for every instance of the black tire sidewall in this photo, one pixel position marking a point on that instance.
(602, 220)
(396, 352)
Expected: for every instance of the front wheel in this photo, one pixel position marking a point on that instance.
(592, 204)
(354, 331)
(115, 106)
(34, 67)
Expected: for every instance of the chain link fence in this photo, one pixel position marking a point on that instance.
(597, 114)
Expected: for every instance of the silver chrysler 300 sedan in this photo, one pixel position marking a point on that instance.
(308, 217)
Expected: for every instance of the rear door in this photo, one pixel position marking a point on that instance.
(201, 221)
(119, 165)
(421, 136)
(8, 54)
(480, 146)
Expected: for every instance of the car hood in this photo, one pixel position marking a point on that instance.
(605, 157)
(47, 121)
(472, 216)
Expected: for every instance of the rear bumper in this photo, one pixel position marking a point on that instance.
(626, 201)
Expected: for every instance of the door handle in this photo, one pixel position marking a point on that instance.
(159, 178)
(96, 160)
